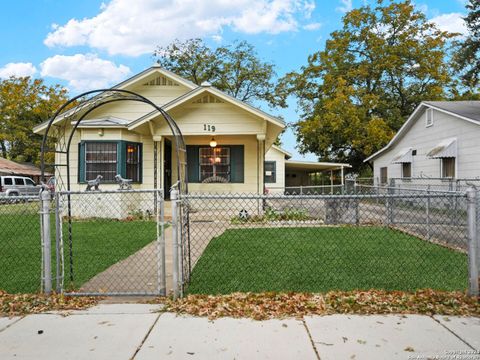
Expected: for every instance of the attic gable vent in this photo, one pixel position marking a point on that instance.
(161, 81)
(208, 99)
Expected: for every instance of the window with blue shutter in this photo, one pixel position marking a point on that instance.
(225, 163)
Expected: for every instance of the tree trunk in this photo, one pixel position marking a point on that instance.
(3, 149)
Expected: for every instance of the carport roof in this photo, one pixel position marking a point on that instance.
(313, 165)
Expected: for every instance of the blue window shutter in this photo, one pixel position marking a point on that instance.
(81, 162)
(237, 163)
(193, 164)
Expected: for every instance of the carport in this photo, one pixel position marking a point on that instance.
(311, 173)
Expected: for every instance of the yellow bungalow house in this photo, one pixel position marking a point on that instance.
(226, 139)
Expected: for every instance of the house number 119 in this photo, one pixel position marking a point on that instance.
(207, 127)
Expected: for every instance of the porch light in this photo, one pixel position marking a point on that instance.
(213, 142)
(100, 132)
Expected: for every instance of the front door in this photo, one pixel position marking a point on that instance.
(167, 168)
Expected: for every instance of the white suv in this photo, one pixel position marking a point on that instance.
(18, 186)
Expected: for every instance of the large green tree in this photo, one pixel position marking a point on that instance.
(24, 103)
(467, 57)
(369, 78)
(235, 69)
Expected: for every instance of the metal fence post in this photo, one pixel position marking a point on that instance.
(58, 244)
(427, 210)
(390, 202)
(46, 240)
(160, 211)
(175, 257)
(473, 271)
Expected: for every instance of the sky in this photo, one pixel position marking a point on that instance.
(89, 44)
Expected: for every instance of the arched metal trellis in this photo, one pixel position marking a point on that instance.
(63, 124)
(60, 131)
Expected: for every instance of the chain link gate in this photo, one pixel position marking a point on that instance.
(110, 242)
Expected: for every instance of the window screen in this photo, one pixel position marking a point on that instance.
(448, 167)
(406, 170)
(429, 117)
(270, 172)
(214, 164)
(133, 162)
(383, 175)
(100, 159)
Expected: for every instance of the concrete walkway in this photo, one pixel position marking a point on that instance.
(137, 331)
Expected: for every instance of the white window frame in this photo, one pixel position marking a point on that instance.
(429, 118)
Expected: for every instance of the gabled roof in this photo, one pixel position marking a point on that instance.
(206, 88)
(467, 109)
(464, 110)
(194, 91)
(126, 83)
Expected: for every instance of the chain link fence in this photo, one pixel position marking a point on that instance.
(20, 244)
(435, 184)
(320, 242)
(96, 242)
(111, 242)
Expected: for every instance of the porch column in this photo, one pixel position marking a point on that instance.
(158, 159)
(342, 175)
(261, 162)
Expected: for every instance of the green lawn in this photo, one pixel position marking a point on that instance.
(97, 244)
(325, 258)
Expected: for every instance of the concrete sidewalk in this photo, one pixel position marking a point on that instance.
(137, 331)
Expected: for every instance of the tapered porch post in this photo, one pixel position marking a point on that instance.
(261, 162)
(158, 159)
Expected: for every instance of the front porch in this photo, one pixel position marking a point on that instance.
(215, 164)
